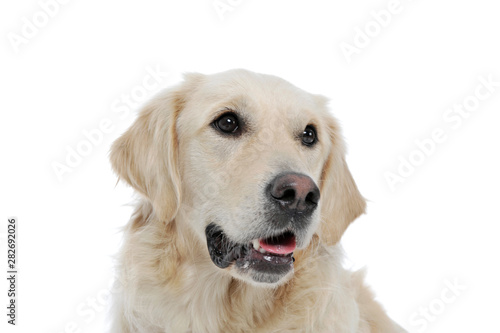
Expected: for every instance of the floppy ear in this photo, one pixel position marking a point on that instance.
(341, 202)
(146, 155)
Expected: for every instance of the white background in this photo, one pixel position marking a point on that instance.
(439, 226)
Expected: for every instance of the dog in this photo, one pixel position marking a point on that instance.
(244, 196)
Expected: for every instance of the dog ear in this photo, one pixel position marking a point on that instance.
(146, 155)
(341, 203)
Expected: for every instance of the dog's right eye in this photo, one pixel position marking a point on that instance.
(227, 123)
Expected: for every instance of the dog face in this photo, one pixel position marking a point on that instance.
(254, 166)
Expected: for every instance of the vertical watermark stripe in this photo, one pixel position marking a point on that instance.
(12, 269)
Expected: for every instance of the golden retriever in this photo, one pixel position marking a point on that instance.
(245, 194)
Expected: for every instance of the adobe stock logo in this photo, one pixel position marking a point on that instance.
(94, 306)
(379, 20)
(31, 26)
(121, 108)
(453, 118)
(223, 6)
(437, 306)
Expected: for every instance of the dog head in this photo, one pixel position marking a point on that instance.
(254, 165)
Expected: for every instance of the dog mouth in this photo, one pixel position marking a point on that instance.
(268, 255)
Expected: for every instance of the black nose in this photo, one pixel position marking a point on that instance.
(294, 192)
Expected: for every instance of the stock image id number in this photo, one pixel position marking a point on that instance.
(11, 244)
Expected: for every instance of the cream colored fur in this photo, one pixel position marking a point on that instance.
(189, 175)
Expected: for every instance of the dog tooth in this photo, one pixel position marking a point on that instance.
(256, 244)
(262, 250)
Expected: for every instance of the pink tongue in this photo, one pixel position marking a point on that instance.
(284, 247)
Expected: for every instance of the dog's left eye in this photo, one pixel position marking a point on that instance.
(227, 123)
(309, 136)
